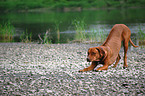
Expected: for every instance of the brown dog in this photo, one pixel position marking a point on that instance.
(108, 53)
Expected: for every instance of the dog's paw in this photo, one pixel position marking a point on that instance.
(80, 71)
(114, 66)
(98, 70)
(124, 67)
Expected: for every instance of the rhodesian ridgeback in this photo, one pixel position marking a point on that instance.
(108, 52)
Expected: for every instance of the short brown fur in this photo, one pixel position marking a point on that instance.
(108, 52)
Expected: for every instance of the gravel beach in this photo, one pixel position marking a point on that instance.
(52, 70)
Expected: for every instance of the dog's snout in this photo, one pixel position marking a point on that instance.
(88, 60)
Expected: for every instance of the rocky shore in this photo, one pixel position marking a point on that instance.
(52, 70)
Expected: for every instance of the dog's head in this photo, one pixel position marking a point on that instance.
(96, 54)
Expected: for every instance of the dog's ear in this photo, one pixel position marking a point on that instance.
(104, 55)
(102, 52)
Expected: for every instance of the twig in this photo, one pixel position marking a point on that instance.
(40, 38)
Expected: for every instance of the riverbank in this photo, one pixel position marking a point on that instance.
(39, 69)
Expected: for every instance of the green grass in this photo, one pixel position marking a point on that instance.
(57, 25)
(92, 36)
(97, 36)
(141, 34)
(7, 32)
(25, 37)
(80, 30)
(46, 38)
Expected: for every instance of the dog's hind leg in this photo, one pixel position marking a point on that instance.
(117, 60)
(125, 43)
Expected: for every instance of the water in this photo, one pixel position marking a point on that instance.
(40, 22)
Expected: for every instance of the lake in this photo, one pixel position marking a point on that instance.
(60, 25)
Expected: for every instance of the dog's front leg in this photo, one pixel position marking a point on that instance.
(105, 66)
(91, 67)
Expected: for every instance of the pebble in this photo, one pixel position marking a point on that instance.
(39, 69)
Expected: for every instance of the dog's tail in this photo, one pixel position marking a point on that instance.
(132, 43)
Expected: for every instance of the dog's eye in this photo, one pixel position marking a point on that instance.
(93, 53)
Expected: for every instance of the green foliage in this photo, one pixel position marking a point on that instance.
(20, 4)
(97, 36)
(25, 37)
(7, 32)
(141, 34)
(30, 4)
(92, 36)
(46, 38)
(80, 30)
(57, 25)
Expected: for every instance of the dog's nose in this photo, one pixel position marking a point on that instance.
(88, 60)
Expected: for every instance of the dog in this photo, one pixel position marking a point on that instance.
(108, 52)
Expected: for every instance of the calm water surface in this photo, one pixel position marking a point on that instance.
(40, 22)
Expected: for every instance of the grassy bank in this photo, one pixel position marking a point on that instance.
(82, 34)
(7, 32)
(14, 5)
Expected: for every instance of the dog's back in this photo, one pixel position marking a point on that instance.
(118, 33)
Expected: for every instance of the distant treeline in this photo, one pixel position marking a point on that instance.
(11, 5)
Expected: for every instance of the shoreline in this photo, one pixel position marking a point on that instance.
(67, 9)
